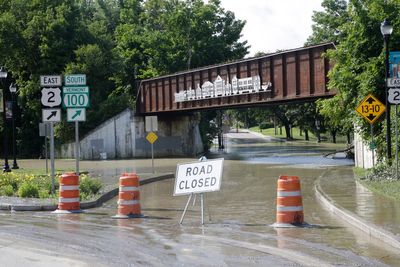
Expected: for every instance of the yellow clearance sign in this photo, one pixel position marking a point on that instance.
(151, 137)
(371, 108)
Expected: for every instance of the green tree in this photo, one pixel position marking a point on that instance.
(359, 62)
(327, 26)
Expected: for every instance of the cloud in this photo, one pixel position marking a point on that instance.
(274, 25)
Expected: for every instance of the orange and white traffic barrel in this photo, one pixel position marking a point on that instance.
(128, 197)
(289, 206)
(68, 201)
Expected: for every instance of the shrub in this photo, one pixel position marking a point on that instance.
(7, 190)
(28, 189)
(89, 187)
(382, 172)
(266, 125)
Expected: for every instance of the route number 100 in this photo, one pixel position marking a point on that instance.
(76, 100)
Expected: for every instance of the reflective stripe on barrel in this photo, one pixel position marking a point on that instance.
(289, 206)
(129, 195)
(69, 192)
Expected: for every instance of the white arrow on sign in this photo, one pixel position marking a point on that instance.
(51, 115)
(51, 97)
(394, 96)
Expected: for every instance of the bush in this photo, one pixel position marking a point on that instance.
(382, 172)
(28, 189)
(7, 190)
(39, 186)
(89, 187)
(266, 125)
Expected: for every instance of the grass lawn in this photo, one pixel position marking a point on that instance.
(296, 135)
(387, 188)
(271, 132)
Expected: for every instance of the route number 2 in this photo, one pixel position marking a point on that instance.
(394, 96)
(51, 97)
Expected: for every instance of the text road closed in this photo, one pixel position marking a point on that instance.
(198, 177)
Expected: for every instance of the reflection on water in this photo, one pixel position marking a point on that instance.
(256, 150)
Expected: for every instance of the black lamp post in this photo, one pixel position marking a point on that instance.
(318, 127)
(13, 90)
(386, 30)
(6, 167)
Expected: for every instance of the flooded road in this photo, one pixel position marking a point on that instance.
(238, 219)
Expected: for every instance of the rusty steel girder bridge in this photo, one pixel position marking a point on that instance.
(297, 75)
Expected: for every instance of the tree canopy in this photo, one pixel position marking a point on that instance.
(359, 56)
(113, 42)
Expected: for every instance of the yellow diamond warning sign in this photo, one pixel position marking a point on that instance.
(371, 108)
(151, 137)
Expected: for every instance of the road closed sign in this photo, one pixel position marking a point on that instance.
(198, 177)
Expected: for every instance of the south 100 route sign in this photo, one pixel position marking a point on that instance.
(76, 97)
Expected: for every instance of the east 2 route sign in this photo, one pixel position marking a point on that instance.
(371, 108)
(76, 96)
(198, 177)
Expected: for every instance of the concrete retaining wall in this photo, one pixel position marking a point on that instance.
(364, 157)
(124, 136)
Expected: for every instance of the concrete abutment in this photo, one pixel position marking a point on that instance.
(124, 136)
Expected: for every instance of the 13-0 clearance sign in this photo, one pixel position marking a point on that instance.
(198, 177)
(371, 108)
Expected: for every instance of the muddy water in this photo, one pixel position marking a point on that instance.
(238, 218)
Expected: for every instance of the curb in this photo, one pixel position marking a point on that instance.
(83, 205)
(354, 220)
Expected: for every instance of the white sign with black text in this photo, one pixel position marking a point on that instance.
(51, 97)
(198, 177)
(51, 115)
(394, 96)
(50, 80)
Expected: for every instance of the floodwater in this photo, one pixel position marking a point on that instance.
(238, 218)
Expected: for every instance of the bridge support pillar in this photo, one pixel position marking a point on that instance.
(178, 135)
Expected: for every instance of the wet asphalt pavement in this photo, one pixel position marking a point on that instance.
(237, 230)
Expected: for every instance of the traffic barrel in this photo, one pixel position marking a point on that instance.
(289, 206)
(68, 201)
(128, 197)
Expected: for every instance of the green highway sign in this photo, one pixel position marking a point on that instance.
(75, 80)
(75, 96)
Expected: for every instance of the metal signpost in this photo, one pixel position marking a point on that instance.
(394, 98)
(51, 97)
(198, 177)
(43, 131)
(76, 99)
(152, 137)
(371, 109)
(151, 124)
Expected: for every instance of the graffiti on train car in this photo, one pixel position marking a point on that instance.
(220, 87)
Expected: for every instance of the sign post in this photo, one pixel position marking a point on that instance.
(44, 131)
(152, 137)
(151, 124)
(51, 97)
(198, 177)
(76, 99)
(371, 109)
(394, 98)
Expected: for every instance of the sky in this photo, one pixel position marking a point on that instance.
(274, 24)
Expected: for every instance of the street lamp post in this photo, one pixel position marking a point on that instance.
(6, 167)
(13, 90)
(386, 30)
